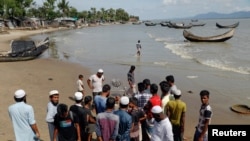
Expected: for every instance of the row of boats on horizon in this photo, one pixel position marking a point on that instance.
(195, 38)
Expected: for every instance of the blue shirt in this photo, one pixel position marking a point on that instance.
(124, 126)
(100, 103)
(22, 117)
(51, 112)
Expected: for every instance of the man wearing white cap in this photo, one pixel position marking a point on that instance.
(125, 120)
(176, 110)
(23, 119)
(82, 113)
(51, 111)
(162, 130)
(95, 82)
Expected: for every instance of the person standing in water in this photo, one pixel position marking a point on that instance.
(138, 46)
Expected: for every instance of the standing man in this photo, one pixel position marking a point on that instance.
(66, 125)
(205, 117)
(23, 119)
(51, 111)
(162, 130)
(79, 83)
(131, 81)
(176, 110)
(107, 123)
(138, 47)
(125, 120)
(100, 100)
(95, 82)
(82, 114)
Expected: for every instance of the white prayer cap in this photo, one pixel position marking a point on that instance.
(53, 92)
(19, 93)
(124, 100)
(100, 71)
(176, 92)
(78, 96)
(156, 109)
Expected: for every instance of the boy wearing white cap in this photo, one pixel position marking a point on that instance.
(162, 130)
(23, 119)
(51, 111)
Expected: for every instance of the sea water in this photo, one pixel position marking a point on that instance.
(223, 68)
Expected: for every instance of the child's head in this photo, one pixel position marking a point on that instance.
(133, 102)
(204, 95)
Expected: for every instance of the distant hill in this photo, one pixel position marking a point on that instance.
(214, 15)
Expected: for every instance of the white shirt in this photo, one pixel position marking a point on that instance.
(96, 82)
(79, 84)
(162, 131)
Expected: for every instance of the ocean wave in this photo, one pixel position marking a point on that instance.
(180, 50)
(223, 66)
(161, 63)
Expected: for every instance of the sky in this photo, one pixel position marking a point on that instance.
(163, 9)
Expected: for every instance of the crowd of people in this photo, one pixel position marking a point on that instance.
(143, 114)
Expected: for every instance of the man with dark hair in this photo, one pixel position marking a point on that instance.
(125, 120)
(143, 98)
(205, 117)
(131, 81)
(23, 119)
(100, 100)
(92, 120)
(138, 47)
(176, 110)
(147, 84)
(165, 95)
(107, 123)
(138, 115)
(66, 124)
(171, 81)
(51, 111)
(155, 100)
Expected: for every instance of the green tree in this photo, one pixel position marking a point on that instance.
(63, 5)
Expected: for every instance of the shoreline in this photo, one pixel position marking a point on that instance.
(24, 75)
(37, 77)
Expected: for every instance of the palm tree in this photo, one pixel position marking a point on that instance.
(64, 7)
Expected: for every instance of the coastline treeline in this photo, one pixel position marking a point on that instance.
(51, 9)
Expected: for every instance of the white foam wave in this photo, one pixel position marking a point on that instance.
(161, 63)
(192, 76)
(180, 49)
(223, 66)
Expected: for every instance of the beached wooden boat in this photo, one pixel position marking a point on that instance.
(217, 38)
(24, 50)
(228, 26)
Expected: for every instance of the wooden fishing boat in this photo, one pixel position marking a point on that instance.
(228, 26)
(150, 24)
(180, 25)
(217, 38)
(24, 50)
(198, 24)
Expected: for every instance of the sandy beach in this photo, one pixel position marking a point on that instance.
(37, 77)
